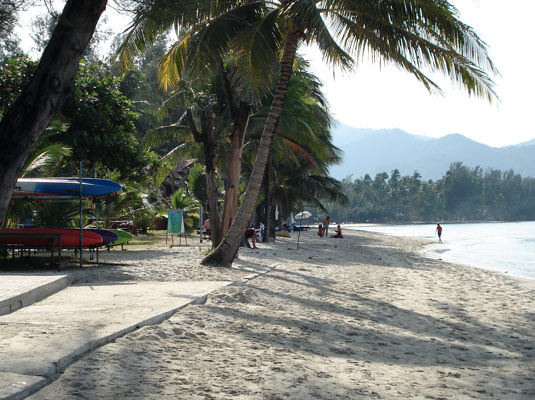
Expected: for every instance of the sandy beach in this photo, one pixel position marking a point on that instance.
(364, 317)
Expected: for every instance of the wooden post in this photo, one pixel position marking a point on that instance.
(81, 218)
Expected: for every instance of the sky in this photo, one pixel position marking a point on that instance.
(374, 97)
(385, 97)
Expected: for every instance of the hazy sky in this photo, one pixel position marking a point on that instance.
(389, 98)
(371, 97)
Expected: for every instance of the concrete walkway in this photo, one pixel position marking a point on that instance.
(21, 290)
(39, 341)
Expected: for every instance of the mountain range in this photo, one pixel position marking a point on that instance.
(369, 151)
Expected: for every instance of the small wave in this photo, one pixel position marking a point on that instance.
(440, 251)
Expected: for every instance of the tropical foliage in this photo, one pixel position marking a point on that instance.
(27, 118)
(462, 194)
(409, 34)
(95, 122)
(238, 98)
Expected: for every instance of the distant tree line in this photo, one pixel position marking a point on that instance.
(462, 194)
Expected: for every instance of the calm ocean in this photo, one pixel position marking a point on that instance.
(507, 247)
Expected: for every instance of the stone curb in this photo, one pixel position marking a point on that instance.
(34, 295)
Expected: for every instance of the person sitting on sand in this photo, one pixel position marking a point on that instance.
(338, 232)
(326, 221)
(206, 228)
(250, 233)
(320, 230)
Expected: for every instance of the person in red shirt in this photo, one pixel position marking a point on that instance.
(438, 231)
(250, 233)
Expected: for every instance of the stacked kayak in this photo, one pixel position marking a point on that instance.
(107, 236)
(122, 238)
(70, 238)
(63, 188)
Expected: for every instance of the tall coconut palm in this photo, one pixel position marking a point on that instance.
(411, 34)
(216, 126)
(302, 147)
(207, 46)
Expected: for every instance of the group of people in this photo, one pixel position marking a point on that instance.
(323, 229)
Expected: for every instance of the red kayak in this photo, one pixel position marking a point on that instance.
(70, 238)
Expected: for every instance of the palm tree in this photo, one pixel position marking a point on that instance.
(46, 91)
(201, 52)
(302, 149)
(409, 34)
(211, 123)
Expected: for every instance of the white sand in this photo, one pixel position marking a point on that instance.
(365, 317)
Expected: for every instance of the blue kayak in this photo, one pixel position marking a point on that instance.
(63, 188)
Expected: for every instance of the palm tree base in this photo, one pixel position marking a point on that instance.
(217, 260)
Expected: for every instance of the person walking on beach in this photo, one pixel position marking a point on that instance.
(438, 231)
(326, 221)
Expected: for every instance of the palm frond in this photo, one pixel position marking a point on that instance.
(416, 35)
(45, 160)
(260, 45)
(163, 135)
(155, 17)
(300, 150)
(171, 159)
(308, 15)
(206, 42)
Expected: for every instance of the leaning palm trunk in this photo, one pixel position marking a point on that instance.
(224, 254)
(29, 116)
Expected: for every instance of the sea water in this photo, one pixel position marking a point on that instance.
(508, 247)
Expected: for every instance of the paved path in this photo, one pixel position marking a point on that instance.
(21, 290)
(39, 341)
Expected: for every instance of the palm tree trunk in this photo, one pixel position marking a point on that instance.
(211, 177)
(237, 137)
(29, 116)
(225, 253)
(213, 212)
(267, 195)
(206, 137)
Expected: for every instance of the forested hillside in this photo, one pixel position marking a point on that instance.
(374, 151)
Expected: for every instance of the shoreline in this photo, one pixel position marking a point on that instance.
(432, 223)
(426, 252)
(355, 318)
(456, 251)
